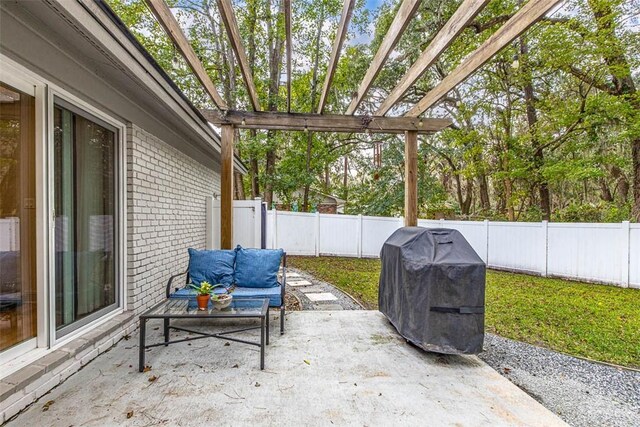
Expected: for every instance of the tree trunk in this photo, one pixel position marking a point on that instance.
(485, 201)
(238, 177)
(327, 178)
(622, 184)
(269, 172)
(532, 121)
(254, 173)
(605, 193)
(465, 208)
(345, 176)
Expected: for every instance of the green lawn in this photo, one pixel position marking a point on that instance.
(593, 321)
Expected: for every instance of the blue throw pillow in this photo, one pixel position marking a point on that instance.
(212, 266)
(257, 268)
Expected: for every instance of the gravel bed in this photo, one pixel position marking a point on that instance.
(582, 393)
(343, 300)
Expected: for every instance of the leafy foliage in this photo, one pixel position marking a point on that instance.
(549, 128)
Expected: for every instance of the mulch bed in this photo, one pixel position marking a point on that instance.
(291, 303)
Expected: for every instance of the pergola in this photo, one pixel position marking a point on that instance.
(411, 124)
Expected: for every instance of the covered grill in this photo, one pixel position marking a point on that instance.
(432, 289)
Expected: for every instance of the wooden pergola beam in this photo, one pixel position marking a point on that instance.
(406, 11)
(170, 25)
(347, 9)
(268, 120)
(231, 25)
(465, 13)
(528, 15)
(287, 29)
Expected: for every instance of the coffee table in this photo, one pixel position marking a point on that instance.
(174, 308)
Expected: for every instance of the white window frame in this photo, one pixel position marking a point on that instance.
(22, 78)
(121, 187)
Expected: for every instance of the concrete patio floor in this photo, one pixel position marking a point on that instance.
(330, 368)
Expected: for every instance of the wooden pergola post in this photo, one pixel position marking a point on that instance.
(226, 183)
(411, 179)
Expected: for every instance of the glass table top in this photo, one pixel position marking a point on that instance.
(179, 307)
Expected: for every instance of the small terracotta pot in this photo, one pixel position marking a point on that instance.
(203, 301)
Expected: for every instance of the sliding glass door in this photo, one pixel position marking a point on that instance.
(85, 206)
(18, 322)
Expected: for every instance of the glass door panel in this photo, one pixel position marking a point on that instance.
(17, 217)
(85, 218)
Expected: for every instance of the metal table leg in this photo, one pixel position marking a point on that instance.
(268, 325)
(262, 334)
(143, 324)
(166, 331)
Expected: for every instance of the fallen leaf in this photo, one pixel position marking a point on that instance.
(146, 368)
(155, 329)
(227, 344)
(235, 366)
(152, 378)
(45, 407)
(307, 362)
(257, 384)
(506, 370)
(126, 337)
(129, 414)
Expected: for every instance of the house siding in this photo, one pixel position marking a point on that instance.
(166, 193)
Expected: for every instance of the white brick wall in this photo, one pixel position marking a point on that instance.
(166, 193)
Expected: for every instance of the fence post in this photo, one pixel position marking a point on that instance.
(317, 232)
(545, 248)
(274, 235)
(442, 223)
(486, 242)
(626, 253)
(359, 234)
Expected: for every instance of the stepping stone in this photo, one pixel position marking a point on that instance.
(297, 283)
(321, 296)
(329, 307)
(313, 289)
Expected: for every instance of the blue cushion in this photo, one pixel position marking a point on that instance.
(211, 266)
(273, 293)
(257, 268)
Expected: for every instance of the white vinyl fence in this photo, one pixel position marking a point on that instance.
(247, 223)
(603, 253)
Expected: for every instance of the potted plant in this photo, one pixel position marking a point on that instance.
(204, 294)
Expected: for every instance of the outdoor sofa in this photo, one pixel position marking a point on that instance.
(245, 273)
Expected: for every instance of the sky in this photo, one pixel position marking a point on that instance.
(372, 4)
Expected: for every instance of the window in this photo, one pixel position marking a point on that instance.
(18, 320)
(85, 179)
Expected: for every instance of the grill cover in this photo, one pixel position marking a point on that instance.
(432, 289)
